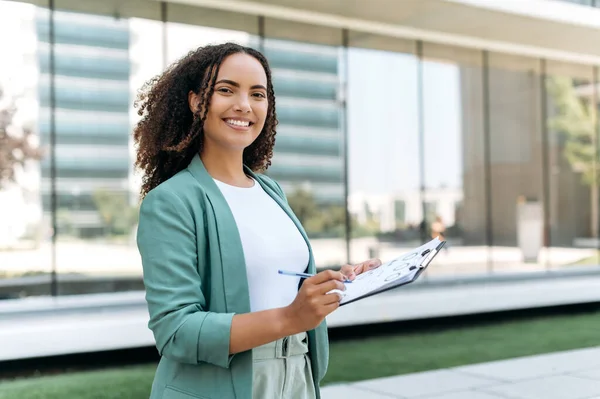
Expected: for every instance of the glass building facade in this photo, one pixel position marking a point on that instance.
(593, 3)
(380, 139)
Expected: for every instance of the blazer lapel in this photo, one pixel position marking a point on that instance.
(237, 297)
(233, 263)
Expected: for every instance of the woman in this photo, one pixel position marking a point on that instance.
(213, 232)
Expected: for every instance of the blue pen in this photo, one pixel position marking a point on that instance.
(302, 275)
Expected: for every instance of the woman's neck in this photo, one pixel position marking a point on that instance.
(226, 167)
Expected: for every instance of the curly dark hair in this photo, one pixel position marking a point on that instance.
(169, 135)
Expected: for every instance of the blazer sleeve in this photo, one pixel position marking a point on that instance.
(184, 331)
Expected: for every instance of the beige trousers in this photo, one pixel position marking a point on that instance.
(282, 370)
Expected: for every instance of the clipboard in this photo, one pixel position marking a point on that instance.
(398, 272)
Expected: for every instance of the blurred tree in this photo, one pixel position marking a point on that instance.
(64, 220)
(303, 204)
(116, 213)
(326, 220)
(16, 144)
(334, 219)
(575, 119)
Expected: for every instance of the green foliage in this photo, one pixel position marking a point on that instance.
(575, 122)
(369, 228)
(116, 213)
(16, 146)
(303, 204)
(318, 220)
(327, 221)
(65, 221)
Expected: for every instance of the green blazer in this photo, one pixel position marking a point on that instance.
(195, 279)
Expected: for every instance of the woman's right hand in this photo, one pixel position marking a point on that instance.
(313, 303)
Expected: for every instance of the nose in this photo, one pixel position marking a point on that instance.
(242, 104)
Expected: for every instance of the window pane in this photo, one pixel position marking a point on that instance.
(385, 200)
(25, 230)
(572, 165)
(96, 77)
(454, 157)
(582, 2)
(517, 196)
(183, 38)
(308, 156)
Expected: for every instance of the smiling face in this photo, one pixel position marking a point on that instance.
(239, 104)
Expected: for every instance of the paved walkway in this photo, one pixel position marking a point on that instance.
(562, 375)
(113, 321)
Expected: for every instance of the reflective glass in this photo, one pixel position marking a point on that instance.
(25, 228)
(516, 163)
(308, 156)
(385, 200)
(453, 128)
(572, 145)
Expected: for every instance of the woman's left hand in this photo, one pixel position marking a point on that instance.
(351, 271)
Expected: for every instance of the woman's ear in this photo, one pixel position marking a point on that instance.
(193, 102)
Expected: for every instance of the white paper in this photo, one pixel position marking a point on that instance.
(392, 273)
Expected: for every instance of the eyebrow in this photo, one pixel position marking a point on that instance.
(232, 83)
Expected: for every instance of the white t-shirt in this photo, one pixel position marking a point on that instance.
(271, 241)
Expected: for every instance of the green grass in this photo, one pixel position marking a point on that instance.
(355, 360)
(590, 260)
(409, 353)
(119, 383)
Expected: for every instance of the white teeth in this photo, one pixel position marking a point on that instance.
(238, 123)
